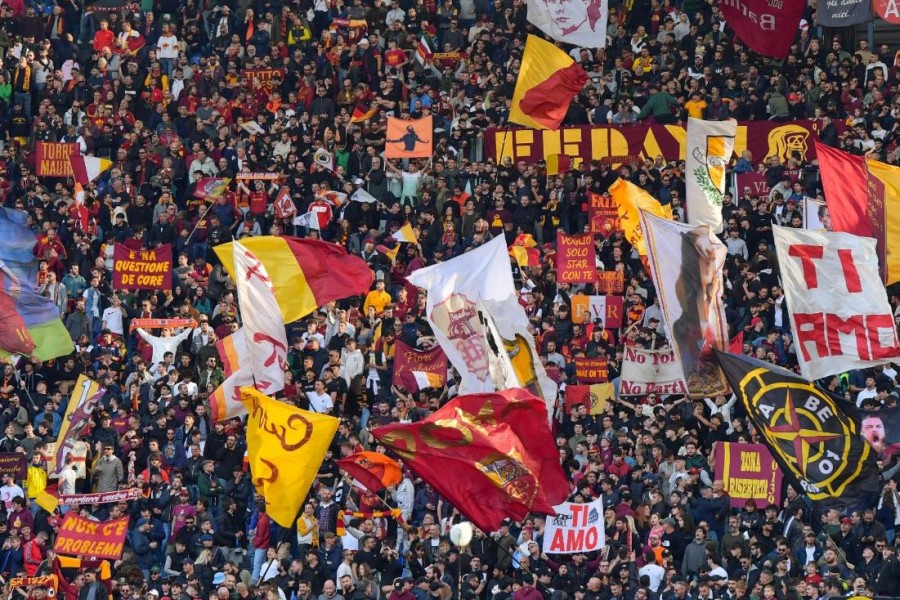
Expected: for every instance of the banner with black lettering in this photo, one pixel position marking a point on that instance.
(575, 528)
(651, 372)
(840, 315)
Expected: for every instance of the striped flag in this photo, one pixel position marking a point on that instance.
(88, 168)
(424, 379)
(307, 220)
(423, 51)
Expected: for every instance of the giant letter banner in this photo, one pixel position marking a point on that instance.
(840, 315)
(749, 473)
(575, 528)
(91, 539)
(52, 159)
(576, 258)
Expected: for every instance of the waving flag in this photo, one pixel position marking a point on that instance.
(577, 23)
(524, 250)
(306, 274)
(710, 145)
(285, 446)
(284, 204)
(363, 196)
(18, 272)
(406, 234)
(548, 78)
(225, 401)
(323, 158)
(766, 26)
(210, 188)
(631, 200)
(373, 470)
(490, 455)
(88, 168)
(419, 369)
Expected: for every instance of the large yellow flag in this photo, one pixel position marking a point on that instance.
(548, 79)
(884, 192)
(286, 446)
(631, 200)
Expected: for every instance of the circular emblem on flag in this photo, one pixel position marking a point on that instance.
(807, 431)
(510, 475)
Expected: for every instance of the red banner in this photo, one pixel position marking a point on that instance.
(142, 269)
(264, 76)
(610, 282)
(767, 26)
(887, 10)
(749, 473)
(623, 143)
(52, 159)
(603, 214)
(416, 370)
(591, 370)
(576, 258)
(91, 539)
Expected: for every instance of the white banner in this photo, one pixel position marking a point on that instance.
(266, 340)
(651, 372)
(840, 315)
(710, 145)
(575, 528)
(815, 214)
(577, 23)
(458, 291)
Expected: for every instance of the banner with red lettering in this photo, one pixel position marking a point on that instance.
(51, 159)
(603, 213)
(609, 309)
(142, 269)
(575, 528)
(840, 315)
(610, 282)
(616, 145)
(651, 372)
(592, 370)
(91, 539)
(749, 473)
(265, 76)
(767, 26)
(576, 258)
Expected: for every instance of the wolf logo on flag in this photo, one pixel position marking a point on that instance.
(511, 475)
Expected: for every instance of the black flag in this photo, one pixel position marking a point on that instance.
(809, 434)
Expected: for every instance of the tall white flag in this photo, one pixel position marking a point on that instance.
(464, 295)
(840, 314)
(266, 340)
(710, 145)
(578, 23)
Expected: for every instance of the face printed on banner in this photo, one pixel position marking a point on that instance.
(580, 22)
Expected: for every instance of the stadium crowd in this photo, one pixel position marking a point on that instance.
(162, 89)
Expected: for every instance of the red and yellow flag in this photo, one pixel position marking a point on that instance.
(373, 470)
(524, 250)
(548, 78)
(306, 274)
(594, 396)
(491, 455)
(631, 200)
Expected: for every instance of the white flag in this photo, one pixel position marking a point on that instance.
(363, 196)
(577, 23)
(307, 220)
(710, 145)
(840, 315)
(459, 290)
(324, 159)
(266, 339)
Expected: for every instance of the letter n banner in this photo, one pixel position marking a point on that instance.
(575, 528)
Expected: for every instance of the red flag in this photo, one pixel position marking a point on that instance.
(736, 345)
(767, 27)
(14, 336)
(373, 470)
(491, 455)
(549, 101)
(844, 180)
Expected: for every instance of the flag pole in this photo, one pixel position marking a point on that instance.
(193, 231)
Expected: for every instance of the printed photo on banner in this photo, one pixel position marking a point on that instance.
(409, 138)
(579, 22)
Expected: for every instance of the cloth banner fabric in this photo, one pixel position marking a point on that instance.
(609, 309)
(578, 23)
(91, 539)
(610, 282)
(412, 367)
(409, 139)
(883, 200)
(591, 370)
(51, 582)
(631, 200)
(888, 10)
(161, 323)
(373, 470)
(749, 473)
(686, 264)
(651, 372)
(51, 159)
(843, 13)
(766, 26)
(142, 269)
(86, 396)
(710, 146)
(616, 145)
(603, 214)
(575, 528)
(807, 431)
(593, 397)
(576, 258)
(472, 297)
(343, 516)
(14, 463)
(840, 315)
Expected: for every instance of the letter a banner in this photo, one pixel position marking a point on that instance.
(142, 269)
(767, 26)
(91, 539)
(840, 315)
(575, 528)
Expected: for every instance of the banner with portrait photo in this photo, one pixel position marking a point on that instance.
(409, 138)
(76, 423)
(687, 264)
(580, 23)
